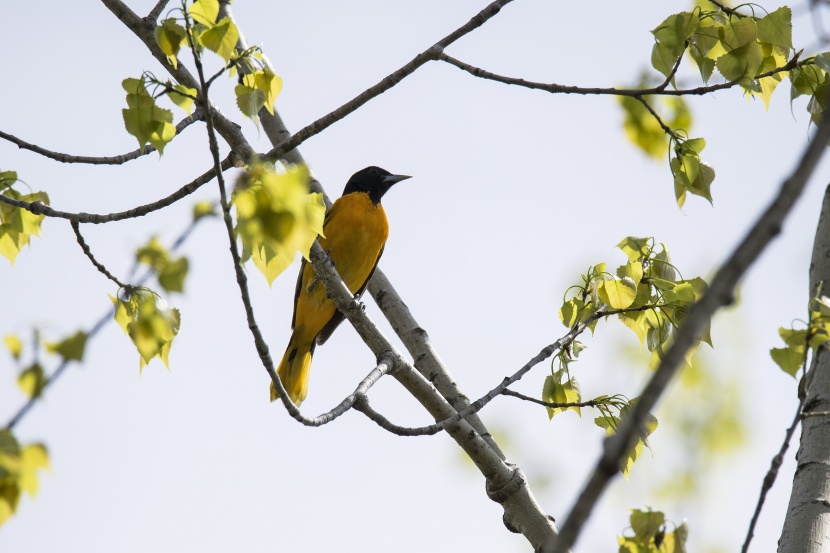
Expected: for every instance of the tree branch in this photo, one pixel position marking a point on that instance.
(155, 13)
(385, 84)
(659, 90)
(505, 483)
(101, 269)
(39, 208)
(98, 160)
(771, 475)
(552, 404)
(720, 293)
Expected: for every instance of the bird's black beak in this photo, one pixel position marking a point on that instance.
(393, 179)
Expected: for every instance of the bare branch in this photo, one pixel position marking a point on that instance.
(659, 90)
(771, 475)
(431, 53)
(101, 269)
(97, 160)
(720, 293)
(39, 208)
(155, 13)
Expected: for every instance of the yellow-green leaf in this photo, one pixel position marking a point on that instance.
(71, 348)
(221, 38)
(170, 36)
(617, 294)
(32, 380)
(184, 98)
(14, 345)
(204, 11)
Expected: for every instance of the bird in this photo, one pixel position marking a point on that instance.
(355, 230)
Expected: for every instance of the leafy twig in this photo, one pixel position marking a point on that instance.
(99, 324)
(553, 404)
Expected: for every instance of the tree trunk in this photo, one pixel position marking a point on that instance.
(807, 525)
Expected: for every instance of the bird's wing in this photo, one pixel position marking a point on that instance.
(297, 292)
(337, 318)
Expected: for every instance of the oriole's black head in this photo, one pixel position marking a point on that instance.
(373, 181)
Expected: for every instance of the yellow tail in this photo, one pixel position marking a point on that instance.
(294, 370)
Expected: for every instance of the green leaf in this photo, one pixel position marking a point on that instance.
(170, 36)
(204, 209)
(675, 31)
(556, 391)
(32, 380)
(633, 271)
(276, 217)
(663, 58)
(33, 458)
(570, 312)
(184, 98)
(151, 327)
(18, 225)
(741, 64)
(739, 33)
(617, 294)
(14, 345)
(249, 100)
(144, 119)
(789, 359)
(71, 348)
(7, 179)
(172, 277)
(204, 11)
(777, 28)
(635, 248)
(221, 38)
(646, 524)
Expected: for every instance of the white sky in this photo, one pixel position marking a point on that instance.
(514, 193)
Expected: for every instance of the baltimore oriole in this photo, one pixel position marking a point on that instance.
(355, 230)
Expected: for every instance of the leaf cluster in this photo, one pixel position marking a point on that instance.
(793, 356)
(258, 86)
(646, 293)
(651, 535)
(276, 216)
(17, 225)
(142, 315)
(19, 467)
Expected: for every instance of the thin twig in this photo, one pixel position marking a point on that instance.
(720, 293)
(554, 404)
(39, 208)
(659, 90)
(98, 160)
(431, 53)
(771, 475)
(668, 130)
(85, 247)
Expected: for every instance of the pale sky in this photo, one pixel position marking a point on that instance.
(514, 194)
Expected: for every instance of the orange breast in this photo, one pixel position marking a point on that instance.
(356, 231)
